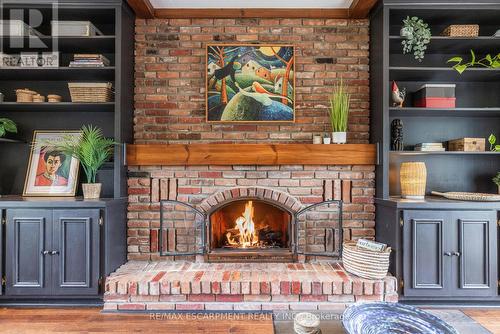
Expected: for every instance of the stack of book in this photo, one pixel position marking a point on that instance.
(430, 147)
(89, 60)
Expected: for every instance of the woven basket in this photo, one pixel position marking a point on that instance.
(461, 30)
(90, 92)
(365, 263)
(25, 95)
(413, 179)
(463, 196)
(38, 98)
(53, 98)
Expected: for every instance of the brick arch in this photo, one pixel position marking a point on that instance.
(280, 198)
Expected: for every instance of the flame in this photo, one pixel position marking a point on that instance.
(248, 236)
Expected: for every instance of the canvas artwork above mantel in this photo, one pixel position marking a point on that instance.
(250, 83)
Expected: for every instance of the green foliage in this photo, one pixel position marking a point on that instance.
(492, 139)
(488, 62)
(7, 125)
(91, 148)
(496, 179)
(417, 34)
(340, 101)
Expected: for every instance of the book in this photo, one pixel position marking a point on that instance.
(371, 245)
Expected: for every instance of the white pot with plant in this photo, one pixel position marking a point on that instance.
(92, 149)
(339, 113)
(496, 180)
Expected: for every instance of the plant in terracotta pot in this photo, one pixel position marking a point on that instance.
(7, 125)
(340, 101)
(92, 149)
(496, 180)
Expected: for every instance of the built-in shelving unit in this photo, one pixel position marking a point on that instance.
(477, 111)
(116, 22)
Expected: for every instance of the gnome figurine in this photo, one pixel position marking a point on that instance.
(398, 96)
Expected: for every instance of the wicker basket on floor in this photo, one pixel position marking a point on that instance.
(365, 263)
(461, 30)
(92, 92)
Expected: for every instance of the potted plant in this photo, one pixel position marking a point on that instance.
(339, 113)
(496, 180)
(417, 35)
(7, 125)
(92, 149)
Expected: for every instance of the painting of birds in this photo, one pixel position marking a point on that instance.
(398, 96)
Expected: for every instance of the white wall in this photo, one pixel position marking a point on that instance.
(251, 4)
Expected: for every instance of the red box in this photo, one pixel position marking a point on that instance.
(436, 102)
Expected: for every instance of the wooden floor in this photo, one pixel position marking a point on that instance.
(90, 320)
(488, 318)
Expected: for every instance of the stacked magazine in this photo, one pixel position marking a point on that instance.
(89, 60)
(430, 147)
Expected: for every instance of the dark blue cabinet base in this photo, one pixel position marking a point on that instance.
(60, 249)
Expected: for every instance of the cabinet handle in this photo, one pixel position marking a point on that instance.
(447, 254)
(456, 254)
(54, 253)
(44, 252)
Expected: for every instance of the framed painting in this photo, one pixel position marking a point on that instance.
(51, 172)
(250, 83)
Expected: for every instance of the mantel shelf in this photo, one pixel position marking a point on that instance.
(250, 154)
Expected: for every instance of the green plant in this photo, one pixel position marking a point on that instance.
(340, 101)
(494, 147)
(91, 148)
(417, 35)
(488, 62)
(496, 179)
(7, 125)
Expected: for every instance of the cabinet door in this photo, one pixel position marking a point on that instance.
(75, 250)
(28, 238)
(425, 243)
(474, 253)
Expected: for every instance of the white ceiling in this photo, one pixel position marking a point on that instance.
(251, 4)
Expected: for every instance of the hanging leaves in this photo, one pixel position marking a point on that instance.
(417, 35)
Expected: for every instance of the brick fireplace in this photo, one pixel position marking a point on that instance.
(204, 226)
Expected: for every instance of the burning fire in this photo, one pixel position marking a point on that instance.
(248, 236)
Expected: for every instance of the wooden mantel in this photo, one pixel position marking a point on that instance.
(250, 154)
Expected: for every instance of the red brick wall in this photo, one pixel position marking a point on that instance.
(170, 107)
(170, 77)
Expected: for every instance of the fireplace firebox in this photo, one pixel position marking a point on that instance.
(250, 229)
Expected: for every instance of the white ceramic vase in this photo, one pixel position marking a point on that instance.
(339, 137)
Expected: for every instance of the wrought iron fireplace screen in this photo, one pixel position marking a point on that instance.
(315, 230)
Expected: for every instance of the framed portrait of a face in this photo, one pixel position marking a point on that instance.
(51, 172)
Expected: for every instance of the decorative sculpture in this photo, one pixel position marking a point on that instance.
(397, 135)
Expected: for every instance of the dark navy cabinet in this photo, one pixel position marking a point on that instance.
(61, 251)
(442, 250)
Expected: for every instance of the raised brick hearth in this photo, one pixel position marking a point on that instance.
(142, 285)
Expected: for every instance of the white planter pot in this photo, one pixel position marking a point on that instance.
(327, 140)
(91, 190)
(339, 137)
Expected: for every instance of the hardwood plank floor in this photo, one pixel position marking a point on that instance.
(91, 320)
(488, 318)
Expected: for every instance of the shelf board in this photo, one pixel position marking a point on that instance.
(61, 106)
(421, 73)
(64, 44)
(58, 73)
(458, 153)
(13, 141)
(444, 112)
(452, 45)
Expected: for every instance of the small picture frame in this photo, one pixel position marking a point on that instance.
(51, 172)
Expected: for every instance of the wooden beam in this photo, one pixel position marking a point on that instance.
(183, 13)
(250, 154)
(361, 8)
(142, 8)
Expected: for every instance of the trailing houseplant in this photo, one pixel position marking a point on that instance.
(496, 180)
(340, 101)
(7, 125)
(489, 61)
(92, 149)
(417, 35)
(494, 147)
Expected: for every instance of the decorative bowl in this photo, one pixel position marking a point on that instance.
(385, 318)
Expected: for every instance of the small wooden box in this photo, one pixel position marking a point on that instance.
(467, 145)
